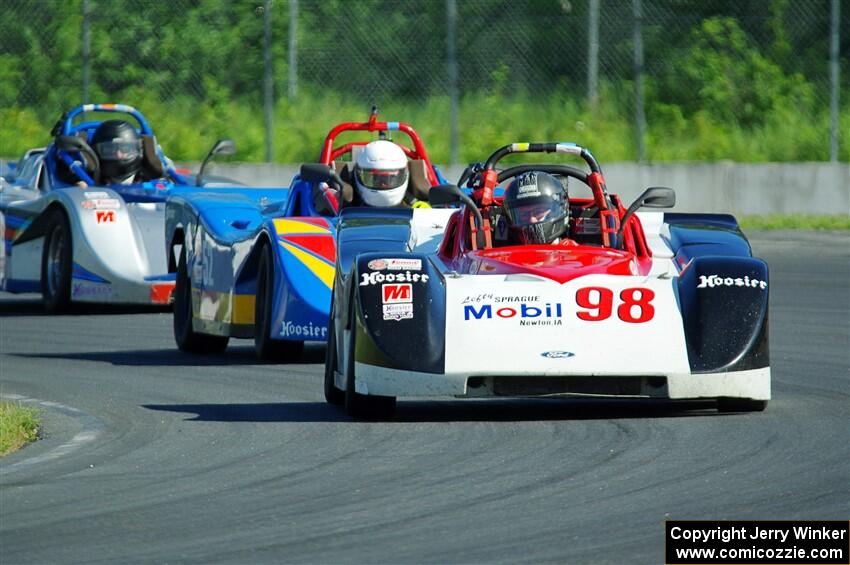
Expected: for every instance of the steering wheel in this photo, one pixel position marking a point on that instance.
(71, 143)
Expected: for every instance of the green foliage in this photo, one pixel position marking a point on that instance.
(721, 74)
(795, 222)
(732, 79)
(18, 426)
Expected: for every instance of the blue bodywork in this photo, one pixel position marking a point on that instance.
(222, 233)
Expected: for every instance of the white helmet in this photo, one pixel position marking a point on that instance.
(380, 174)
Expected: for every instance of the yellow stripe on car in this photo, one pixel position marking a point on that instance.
(284, 226)
(322, 270)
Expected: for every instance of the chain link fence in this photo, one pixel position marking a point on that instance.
(732, 58)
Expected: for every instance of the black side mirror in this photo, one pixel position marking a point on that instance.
(445, 194)
(316, 172)
(221, 147)
(653, 197)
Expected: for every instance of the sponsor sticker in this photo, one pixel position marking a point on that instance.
(712, 281)
(105, 216)
(475, 298)
(374, 277)
(528, 186)
(101, 204)
(96, 195)
(395, 264)
(585, 226)
(397, 293)
(592, 304)
(557, 354)
(403, 311)
(288, 329)
(85, 289)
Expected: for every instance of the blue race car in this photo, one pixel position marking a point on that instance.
(259, 263)
(74, 237)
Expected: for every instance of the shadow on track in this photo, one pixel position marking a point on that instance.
(513, 410)
(238, 355)
(34, 307)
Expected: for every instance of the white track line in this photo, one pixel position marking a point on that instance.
(92, 428)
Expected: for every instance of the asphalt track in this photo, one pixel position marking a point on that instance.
(155, 456)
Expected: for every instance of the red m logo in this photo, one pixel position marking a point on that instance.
(104, 216)
(397, 293)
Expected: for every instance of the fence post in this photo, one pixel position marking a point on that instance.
(268, 85)
(593, 53)
(293, 49)
(451, 46)
(86, 48)
(833, 78)
(640, 118)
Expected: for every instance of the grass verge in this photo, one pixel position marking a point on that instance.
(18, 427)
(795, 222)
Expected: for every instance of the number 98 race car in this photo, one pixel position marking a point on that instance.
(620, 304)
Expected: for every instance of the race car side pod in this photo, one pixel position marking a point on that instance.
(724, 303)
(400, 318)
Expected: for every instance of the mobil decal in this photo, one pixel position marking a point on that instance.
(590, 304)
(396, 293)
(105, 216)
(536, 314)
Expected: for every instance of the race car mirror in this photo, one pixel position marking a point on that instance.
(444, 195)
(317, 172)
(221, 147)
(447, 194)
(653, 197)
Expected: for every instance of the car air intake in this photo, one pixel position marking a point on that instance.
(537, 386)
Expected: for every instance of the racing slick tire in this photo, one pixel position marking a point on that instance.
(363, 406)
(56, 263)
(740, 405)
(333, 395)
(186, 337)
(267, 348)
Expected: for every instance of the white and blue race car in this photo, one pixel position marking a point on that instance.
(73, 238)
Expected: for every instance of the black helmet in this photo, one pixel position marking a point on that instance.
(537, 207)
(119, 148)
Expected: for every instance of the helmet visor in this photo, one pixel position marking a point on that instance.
(535, 211)
(382, 179)
(118, 150)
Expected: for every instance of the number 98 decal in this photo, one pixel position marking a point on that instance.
(634, 305)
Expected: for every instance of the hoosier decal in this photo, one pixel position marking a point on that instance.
(712, 281)
(303, 331)
(398, 312)
(378, 277)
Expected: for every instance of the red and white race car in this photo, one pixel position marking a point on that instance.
(625, 304)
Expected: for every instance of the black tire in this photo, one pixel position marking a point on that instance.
(740, 405)
(267, 348)
(333, 395)
(56, 261)
(363, 406)
(184, 334)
